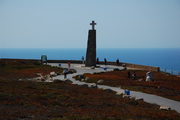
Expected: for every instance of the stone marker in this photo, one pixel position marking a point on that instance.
(100, 81)
(126, 96)
(93, 85)
(164, 108)
(140, 99)
(91, 47)
(53, 74)
(119, 93)
(80, 76)
(87, 78)
(84, 85)
(107, 89)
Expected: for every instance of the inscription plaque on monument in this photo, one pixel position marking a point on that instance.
(91, 47)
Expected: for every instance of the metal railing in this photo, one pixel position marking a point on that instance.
(172, 72)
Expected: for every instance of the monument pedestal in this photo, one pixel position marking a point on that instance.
(91, 49)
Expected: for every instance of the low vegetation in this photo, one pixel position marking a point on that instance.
(22, 69)
(165, 85)
(55, 101)
(40, 100)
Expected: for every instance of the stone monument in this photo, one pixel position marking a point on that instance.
(43, 59)
(91, 47)
(149, 76)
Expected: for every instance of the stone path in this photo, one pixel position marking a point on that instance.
(150, 98)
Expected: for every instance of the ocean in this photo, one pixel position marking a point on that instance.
(167, 58)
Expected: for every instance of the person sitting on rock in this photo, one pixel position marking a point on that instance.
(134, 76)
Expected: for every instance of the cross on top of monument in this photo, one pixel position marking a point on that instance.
(93, 25)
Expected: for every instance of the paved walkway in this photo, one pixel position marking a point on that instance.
(154, 99)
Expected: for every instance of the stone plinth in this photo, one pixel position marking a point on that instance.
(91, 49)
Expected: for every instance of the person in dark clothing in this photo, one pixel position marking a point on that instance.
(105, 61)
(129, 74)
(117, 62)
(97, 60)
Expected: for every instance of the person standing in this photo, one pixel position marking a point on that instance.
(97, 61)
(69, 65)
(105, 61)
(129, 74)
(82, 59)
(117, 62)
(65, 73)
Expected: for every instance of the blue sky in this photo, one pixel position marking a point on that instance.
(65, 23)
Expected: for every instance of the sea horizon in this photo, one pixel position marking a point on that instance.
(167, 58)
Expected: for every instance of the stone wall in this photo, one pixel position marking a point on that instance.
(128, 65)
(135, 66)
(142, 67)
(65, 61)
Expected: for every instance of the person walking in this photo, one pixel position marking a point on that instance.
(69, 65)
(65, 73)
